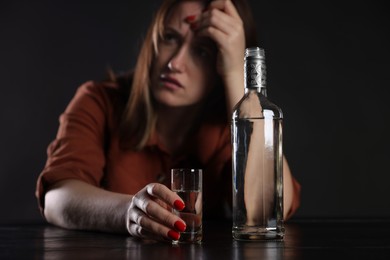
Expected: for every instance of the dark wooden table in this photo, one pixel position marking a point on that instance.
(305, 239)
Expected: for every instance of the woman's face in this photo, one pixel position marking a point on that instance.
(183, 72)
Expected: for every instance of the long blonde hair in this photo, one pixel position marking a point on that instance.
(139, 116)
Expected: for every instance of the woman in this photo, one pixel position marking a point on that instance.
(108, 168)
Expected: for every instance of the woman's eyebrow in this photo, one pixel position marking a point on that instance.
(170, 29)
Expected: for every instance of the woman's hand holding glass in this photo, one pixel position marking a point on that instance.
(149, 214)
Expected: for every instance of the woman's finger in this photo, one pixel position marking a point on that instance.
(224, 5)
(222, 24)
(219, 20)
(141, 225)
(138, 231)
(149, 214)
(162, 192)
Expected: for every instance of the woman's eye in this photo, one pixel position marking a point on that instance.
(170, 38)
(202, 52)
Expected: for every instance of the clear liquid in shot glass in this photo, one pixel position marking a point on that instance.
(192, 216)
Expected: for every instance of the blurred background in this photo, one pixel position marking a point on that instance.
(328, 69)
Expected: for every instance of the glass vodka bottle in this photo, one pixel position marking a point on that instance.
(257, 157)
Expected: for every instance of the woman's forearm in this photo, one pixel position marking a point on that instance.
(234, 90)
(74, 204)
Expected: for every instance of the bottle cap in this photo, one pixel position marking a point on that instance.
(255, 52)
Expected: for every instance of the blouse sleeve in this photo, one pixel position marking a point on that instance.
(78, 149)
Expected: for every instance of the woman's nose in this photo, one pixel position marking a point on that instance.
(178, 61)
(173, 66)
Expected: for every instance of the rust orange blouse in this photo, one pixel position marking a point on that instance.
(87, 148)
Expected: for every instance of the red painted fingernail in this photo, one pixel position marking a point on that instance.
(190, 18)
(179, 225)
(179, 205)
(173, 235)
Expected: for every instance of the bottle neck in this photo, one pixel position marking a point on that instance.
(255, 75)
(262, 91)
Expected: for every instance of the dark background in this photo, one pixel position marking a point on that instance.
(328, 69)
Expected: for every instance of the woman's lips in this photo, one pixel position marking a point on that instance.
(170, 82)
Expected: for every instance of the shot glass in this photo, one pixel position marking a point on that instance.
(187, 183)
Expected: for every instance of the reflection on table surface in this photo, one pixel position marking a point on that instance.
(305, 239)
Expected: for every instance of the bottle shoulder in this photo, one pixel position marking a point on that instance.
(256, 105)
